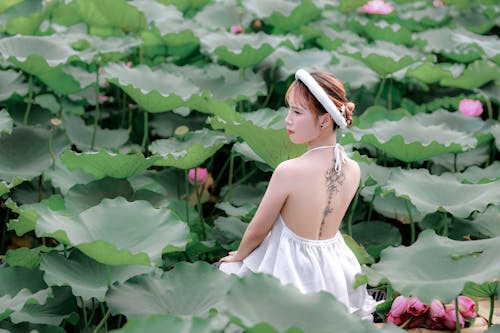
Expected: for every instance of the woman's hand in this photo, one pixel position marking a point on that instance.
(231, 257)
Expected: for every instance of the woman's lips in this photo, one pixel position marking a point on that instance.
(290, 132)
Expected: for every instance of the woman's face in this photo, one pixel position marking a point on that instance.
(301, 124)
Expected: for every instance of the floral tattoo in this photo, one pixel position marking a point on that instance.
(333, 181)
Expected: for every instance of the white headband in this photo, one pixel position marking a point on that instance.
(322, 97)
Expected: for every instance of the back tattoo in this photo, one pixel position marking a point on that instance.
(333, 182)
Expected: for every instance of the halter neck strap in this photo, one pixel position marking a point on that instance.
(338, 153)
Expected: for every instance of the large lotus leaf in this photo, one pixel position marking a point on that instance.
(383, 57)
(187, 289)
(487, 223)
(242, 50)
(267, 118)
(428, 72)
(8, 327)
(418, 15)
(83, 196)
(495, 131)
(459, 162)
(288, 61)
(218, 15)
(23, 257)
(460, 45)
(224, 84)
(430, 193)
(25, 20)
(36, 55)
(190, 153)
(25, 152)
(329, 38)
(376, 113)
(260, 298)
(81, 135)
(8, 4)
(229, 229)
(376, 236)
(122, 15)
(63, 179)
(475, 174)
(110, 49)
(168, 323)
(61, 306)
(353, 73)
(60, 81)
(154, 90)
(6, 123)
(19, 286)
(409, 140)
(284, 15)
(106, 164)
(86, 277)
(381, 30)
(11, 82)
(475, 75)
(438, 267)
(103, 232)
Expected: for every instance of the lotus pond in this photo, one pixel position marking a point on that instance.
(107, 106)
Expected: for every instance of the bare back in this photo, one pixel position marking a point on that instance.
(318, 197)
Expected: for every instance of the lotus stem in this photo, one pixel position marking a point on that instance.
(198, 203)
(351, 213)
(4, 230)
(412, 223)
(489, 107)
(84, 310)
(445, 226)
(389, 95)
(370, 210)
(455, 157)
(268, 97)
(186, 183)
(108, 276)
(103, 321)
(457, 321)
(40, 189)
(130, 114)
(231, 170)
(246, 176)
(146, 132)
(30, 100)
(97, 111)
(51, 150)
(221, 172)
(492, 309)
(379, 92)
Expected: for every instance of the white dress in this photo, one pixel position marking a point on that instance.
(310, 265)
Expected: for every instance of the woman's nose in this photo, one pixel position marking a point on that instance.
(287, 118)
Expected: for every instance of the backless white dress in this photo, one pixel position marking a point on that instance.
(310, 265)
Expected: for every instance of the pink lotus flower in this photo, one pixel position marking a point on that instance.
(103, 98)
(377, 7)
(236, 29)
(398, 314)
(417, 321)
(416, 307)
(466, 306)
(450, 321)
(437, 3)
(129, 64)
(470, 107)
(435, 315)
(199, 173)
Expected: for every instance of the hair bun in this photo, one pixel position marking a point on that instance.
(349, 110)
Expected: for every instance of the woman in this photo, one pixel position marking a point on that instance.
(294, 234)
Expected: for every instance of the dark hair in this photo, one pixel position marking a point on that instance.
(333, 88)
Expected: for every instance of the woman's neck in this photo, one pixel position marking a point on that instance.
(323, 140)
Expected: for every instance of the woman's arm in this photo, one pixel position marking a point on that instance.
(265, 216)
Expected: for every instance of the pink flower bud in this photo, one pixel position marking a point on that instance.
(398, 314)
(129, 64)
(450, 321)
(470, 107)
(377, 7)
(417, 321)
(99, 70)
(416, 307)
(200, 173)
(437, 3)
(466, 306)
(103, 98)
(436, 310)
(236, 29)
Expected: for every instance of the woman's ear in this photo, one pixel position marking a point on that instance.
(325, 120)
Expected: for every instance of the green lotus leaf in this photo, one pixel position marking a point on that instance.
(430, 193)
(383, 57)
(29, 327)
(288, 61)
(61, 306)
(106, 164)
(382, 30)
(122, 14)
(267, 118)
(60, 81)
(418, 16)
(242, 50)
(83, 196)
(36, 54)
(461, 161)
(409, 140)
(486, 289)
(27, 21)
(475, 75)
(216, 15)
(190, 153)
(179, 291)
(6, 123)
(329, 38)
(25, 154)
(110, 49)
(63, 179)
(229, 229)
(495, 131)
(248, 300)
(168, 323)
(23, 257)
(103, 232)
(460, 45)
(8, 4)
(243, 150)
(155, 91)
(376, 236)
(487, 222)
(11, 82)
(81, 135)
(246, 194)
(188, 7)
(440, 267)
(353, 73)
(376, 113)
(475, 174)
(222, 83)
(359, 250)
(86, 277)
(20, 286)
(284, 15)
(431, 73)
